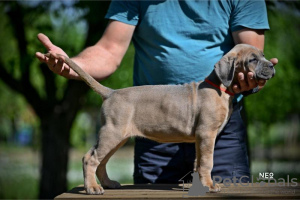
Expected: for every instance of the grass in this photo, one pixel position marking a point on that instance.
(18, 186)
(19, 174)
(19, 170)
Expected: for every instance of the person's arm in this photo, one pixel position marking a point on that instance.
(255, 38)
(100, 60)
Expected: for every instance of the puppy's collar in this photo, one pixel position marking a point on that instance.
(218, 87)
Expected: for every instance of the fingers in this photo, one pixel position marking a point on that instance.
(274, 61)
(55, 63)
(251, 82)
(60, 61)
(236, 89)
(49, 45)
(45, 41)
(41, 57)
(52, 61)
(64, 69)
(261, 83)
(244, 85)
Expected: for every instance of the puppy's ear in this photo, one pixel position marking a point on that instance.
(225, 69)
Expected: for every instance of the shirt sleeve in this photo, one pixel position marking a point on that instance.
(124, 11)
(249, 14)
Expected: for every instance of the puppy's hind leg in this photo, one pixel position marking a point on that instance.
(90, 163)
(102, 173)
(109, 141)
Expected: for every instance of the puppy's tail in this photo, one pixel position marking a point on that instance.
(105, 92)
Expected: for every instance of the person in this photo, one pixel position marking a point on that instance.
(176, 42)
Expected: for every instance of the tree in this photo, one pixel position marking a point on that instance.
(279, 97)
(278, 103)
(55, 112)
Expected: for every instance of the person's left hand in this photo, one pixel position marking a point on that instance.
(250, 83)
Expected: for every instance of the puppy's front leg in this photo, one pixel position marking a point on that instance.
(205, 143)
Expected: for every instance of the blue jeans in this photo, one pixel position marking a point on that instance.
(167, 163)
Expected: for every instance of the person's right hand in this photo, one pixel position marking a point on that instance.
(57, 66)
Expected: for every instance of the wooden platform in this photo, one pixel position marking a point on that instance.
(169, 191)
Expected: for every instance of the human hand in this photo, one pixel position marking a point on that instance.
(250, 83)
(56, 65)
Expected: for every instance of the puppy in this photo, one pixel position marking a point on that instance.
(194, 113)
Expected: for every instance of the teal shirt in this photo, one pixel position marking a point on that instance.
(179, 41)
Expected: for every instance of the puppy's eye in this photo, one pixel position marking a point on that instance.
(253, 60)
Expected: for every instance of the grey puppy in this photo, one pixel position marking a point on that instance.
(194, 113)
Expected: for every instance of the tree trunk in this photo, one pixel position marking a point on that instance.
(56, 128)
(55, 149)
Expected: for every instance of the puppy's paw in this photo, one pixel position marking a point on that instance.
(215, 188)
(94, 189)
(111, 185)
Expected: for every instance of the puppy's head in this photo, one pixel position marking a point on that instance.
(243, 58)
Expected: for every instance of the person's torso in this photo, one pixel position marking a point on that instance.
(180, 41)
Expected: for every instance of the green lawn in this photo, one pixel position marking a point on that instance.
(19, 170)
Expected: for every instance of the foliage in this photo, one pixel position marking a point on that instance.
(273, 114)
(280, 97)
(55, 101)
(14, 110)
(54, 20)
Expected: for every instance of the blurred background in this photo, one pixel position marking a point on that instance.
(47, 123)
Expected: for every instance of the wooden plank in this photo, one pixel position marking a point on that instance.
(173, 191)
